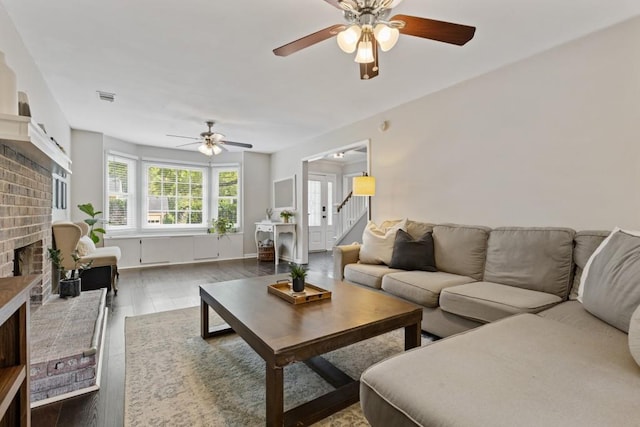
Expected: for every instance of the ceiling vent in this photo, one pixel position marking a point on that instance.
(106, 96)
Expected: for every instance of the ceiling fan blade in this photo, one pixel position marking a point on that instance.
(441, 31)
(189, 143)
(370, 70)
(236, 144)
(180, 136)
(309, 40)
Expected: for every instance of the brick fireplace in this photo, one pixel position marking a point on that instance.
(25, 218)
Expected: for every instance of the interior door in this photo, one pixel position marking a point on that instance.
(321, 193)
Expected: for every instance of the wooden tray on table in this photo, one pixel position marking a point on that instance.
(310, 293)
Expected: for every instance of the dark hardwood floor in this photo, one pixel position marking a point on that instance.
(143, 291)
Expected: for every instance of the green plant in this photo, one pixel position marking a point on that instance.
(78, 268)
(93, 230)
(286, 214)
(221, 226)
(297, 271)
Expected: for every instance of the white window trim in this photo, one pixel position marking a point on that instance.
(146, 164)
(133, 197)
(221, 167)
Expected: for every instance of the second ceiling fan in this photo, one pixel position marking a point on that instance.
(369, 27)
(211, 143)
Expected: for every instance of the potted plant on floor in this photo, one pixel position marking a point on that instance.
(298, 275)
(69, 280)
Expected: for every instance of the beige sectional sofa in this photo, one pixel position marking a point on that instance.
(540, 359)
(483, 274)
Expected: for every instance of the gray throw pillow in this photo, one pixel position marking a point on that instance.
(410, 254)
(610, 286)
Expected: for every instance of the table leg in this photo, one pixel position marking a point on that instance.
(275, 396)
(204, 319)
(275, 245)
(412, 337)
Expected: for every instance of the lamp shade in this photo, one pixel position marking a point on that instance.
(386, 36)
(348, 39)
(205, 149)
(364, 186)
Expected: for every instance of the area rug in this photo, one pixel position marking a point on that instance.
(175, 378)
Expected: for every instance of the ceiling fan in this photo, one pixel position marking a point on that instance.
(369, 27)
(211, 143)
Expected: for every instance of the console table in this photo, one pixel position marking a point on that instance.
(277, 228)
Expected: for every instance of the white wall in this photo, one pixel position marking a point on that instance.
(44, 108)
(87, 187)
(257, 195)
(549, 141)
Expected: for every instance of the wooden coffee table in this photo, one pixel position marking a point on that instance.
(283, 333)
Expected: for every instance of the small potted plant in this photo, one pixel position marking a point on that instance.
(285, 215)
(298, 275)
(69, 280)
(221, 226)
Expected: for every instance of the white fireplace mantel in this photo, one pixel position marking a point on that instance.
(27, 137)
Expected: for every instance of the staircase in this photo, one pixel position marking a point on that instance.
(352, 215)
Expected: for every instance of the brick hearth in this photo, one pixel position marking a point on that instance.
(25, 215)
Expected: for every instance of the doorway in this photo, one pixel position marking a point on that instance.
(327, 171)
(321, 191)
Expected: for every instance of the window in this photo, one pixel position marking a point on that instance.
(121, 172)
(175, 196)
(226, 191)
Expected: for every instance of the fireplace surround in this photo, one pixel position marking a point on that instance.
(25, 218)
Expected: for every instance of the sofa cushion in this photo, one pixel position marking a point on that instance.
(610, 285)
(520, 371)
(461, 249)
(367, 274)
(421, 287)
(535, 258)
(572, 313)
(488, 302)
(413, 254)
(377, 243)
(585, 243)
(415, 228)
(102, 257)
(634, 335)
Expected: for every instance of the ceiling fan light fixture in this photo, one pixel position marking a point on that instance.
(216, 150)
(386, 36)
(348, 38)
(206, 149)
(365, 49)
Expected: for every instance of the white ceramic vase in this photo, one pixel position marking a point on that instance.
(8, 89)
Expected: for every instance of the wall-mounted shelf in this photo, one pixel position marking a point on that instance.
(25, 135)
(14, 349)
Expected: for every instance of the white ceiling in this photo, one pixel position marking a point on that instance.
(173, 65)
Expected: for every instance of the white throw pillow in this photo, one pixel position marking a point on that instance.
(85, 246)
(377, 243)
(634, 335)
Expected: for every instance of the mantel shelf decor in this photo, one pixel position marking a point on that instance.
(24, 134)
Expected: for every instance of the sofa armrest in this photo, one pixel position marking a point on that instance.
(343, 255)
